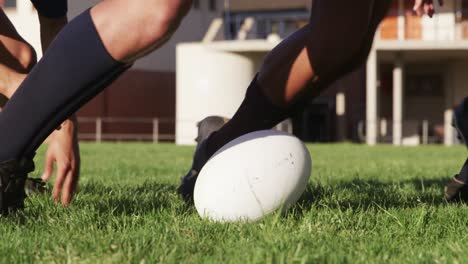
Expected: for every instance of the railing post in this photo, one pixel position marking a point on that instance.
(425, 130)
(155, 130)
(98, 130)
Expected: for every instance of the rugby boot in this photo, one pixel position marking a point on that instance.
(34, 186)
(13, 176)
(205, 128)
(460, 120)
(456, 191)
(187, 184)
(208, 126)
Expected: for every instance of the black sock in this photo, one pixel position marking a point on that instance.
(75, 68)
(255, 113)
(463, 175)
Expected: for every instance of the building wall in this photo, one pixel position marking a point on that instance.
(137, 94)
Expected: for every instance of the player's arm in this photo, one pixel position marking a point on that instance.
(63, 151)
(63, 154)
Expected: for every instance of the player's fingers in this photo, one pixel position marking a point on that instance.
(67, 190)
(76, 178)
(62, 172)
(77, 170)
(48, 168)
(74, 187)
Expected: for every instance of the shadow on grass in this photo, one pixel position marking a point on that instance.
(141, 199)
(356, 194)
(365, 194)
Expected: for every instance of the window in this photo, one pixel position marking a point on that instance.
(196, 4)
(10, 3)
(212, 5)
(464, 10)
(424, 85)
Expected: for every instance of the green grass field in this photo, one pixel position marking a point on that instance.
(363, 204)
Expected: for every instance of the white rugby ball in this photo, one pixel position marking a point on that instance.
(253, 176)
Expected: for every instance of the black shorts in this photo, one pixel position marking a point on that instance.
(342, 32)
(51, 8)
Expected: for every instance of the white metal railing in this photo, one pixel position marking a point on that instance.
(424, 132)
(99, 135)
(432, 32)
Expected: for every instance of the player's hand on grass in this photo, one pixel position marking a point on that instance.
(422, 7)
(64, 153)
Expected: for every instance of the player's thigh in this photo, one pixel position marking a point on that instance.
(342, 33)
(380, 11)
(338, 31)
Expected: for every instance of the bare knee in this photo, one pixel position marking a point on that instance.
(358, 58)
(148, 23)
(162, 17)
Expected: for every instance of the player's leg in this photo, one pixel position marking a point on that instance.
(88, 51)
(457, 188)
(460, 120)
(52, 18)
(302, 66)
(86, 56)
(335, 42)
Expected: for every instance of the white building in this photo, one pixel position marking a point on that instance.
(417, 70)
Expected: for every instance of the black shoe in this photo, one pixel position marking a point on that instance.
(187, 183)
(13, 176)
(460, 120)
(34, 186)
(205, 128)
(208, 126)
(456, 191)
